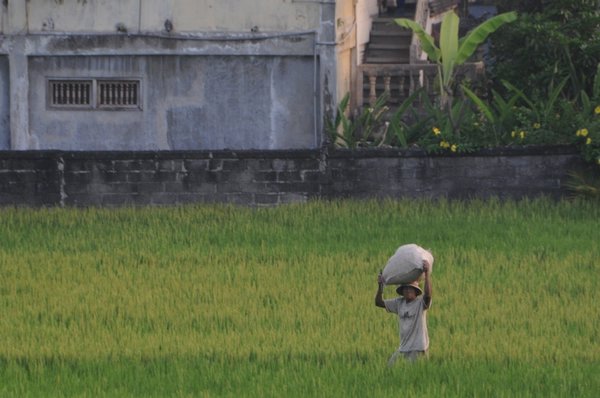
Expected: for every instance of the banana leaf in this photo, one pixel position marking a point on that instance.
(427, 41)
(449, 46)
(469, 43)
(486, 110)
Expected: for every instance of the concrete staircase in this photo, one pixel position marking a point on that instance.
(388, 42)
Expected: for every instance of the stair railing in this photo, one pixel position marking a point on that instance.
(399, 81)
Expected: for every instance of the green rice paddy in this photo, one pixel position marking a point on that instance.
(222, 301)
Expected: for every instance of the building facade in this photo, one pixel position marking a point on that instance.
(172, 74)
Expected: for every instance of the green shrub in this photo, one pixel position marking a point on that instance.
(551, 40)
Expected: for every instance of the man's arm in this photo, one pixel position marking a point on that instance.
(379, 296)
(427, 292)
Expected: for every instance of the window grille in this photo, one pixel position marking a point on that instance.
(118, 93)
(71, 93)
(94, 94)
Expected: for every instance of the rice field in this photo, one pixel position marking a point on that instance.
(220, 301)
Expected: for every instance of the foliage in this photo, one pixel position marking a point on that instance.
(223, 301)
(499, 115)
(447, 131)
(371, 126)
(510, 114)
(550, 41)
(452, 51)
(352, 132)
(476, 121)
(405, 133)
(454, 116)
(546, 120)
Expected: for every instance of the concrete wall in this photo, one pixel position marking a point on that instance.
(267, 178)
(189, 102)
(346, 28)
(366, 10)
(185, 15)
(225, 75)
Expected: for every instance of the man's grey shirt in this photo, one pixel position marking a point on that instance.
(412, 318)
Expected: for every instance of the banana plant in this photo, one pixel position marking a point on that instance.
(352, 130)
(499, 113)
(542, 109)
(452, 51)
(402, 131)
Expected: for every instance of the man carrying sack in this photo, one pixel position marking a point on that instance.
(411, 309)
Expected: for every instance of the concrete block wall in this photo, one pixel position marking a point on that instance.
(32, 179)
(511, 173)
(259, 178)
(270, 178)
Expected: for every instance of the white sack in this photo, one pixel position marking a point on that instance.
(406, 265)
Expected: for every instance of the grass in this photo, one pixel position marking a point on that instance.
(226, 301)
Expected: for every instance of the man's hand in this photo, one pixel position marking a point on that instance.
(425, 267)
(379, 302)
(427, 289)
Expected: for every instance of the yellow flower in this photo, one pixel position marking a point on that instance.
(582, 132)
(513, 134)
(522, 134)
(588, 141)
(536, 125)
(597, 110)
(436, 131)
(444, 144)
(453, 148)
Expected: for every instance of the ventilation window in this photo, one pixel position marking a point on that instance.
(71, 93)
(118, 93)
(94, 94)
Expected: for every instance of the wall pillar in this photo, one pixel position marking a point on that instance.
(326, 50)
(19, 79)
(19, 98)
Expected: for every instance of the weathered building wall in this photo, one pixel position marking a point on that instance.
(212, 74)
(185, 15)
(346, 46)
(365, 11)
(189, 102)
(267, 178)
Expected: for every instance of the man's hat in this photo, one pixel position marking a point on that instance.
(414, 285)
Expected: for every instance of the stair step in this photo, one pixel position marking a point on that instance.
(384, 52)
(375, 36)
(391, 29)
(396, 46)
(387, 60)
(389, 43)
(386, 18)
(399, 40)
(386, 22)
